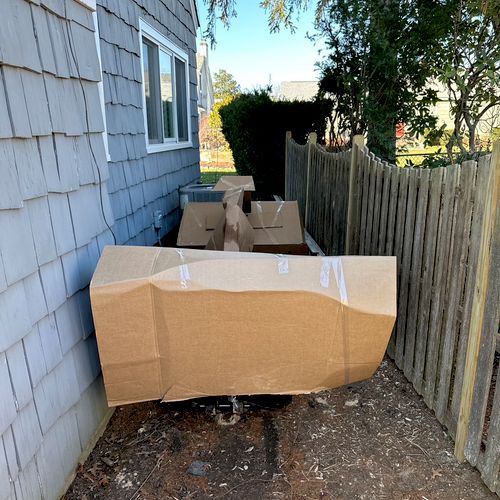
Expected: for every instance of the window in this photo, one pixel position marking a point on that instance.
(166, 92)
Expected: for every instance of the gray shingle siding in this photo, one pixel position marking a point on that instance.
(52, 232)
(141, 183)
(53, 171)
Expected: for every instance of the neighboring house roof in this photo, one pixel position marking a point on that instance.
(299, 90)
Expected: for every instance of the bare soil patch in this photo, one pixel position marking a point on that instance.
(376, 439)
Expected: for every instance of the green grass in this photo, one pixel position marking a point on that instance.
(212, 175)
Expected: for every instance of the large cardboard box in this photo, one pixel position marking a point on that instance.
(276, 226)
(177, 324)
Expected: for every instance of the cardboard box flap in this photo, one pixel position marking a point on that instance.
(234, 196)
(228, 182)
(233, 232)
(238, 233)
(225, 323)
(198, 222)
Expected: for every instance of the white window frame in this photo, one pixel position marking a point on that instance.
(154, 36)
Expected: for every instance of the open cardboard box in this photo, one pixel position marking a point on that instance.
(176, 324)
(276, 227)
(235, 183)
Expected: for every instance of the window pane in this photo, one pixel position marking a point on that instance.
(151, 91)
(182, 104)
(167, 94)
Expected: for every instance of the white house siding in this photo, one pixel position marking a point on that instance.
(141, 183)
(51, 234)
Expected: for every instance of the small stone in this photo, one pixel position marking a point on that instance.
(352, 402)
(321, 401)
(198, 468)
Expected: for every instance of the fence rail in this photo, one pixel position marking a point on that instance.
(443, 226)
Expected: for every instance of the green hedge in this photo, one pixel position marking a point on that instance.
(255, 126)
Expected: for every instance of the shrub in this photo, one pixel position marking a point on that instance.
(255, 126)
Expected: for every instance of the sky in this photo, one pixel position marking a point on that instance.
(254, 56)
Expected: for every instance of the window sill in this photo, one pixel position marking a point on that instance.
(159, 148)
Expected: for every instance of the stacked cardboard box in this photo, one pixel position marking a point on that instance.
(181, 323)
(269, 226)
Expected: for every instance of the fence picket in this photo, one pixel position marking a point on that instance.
(415, 272)
(474, 227)
(365, 172)
(409, 227)
(376, 208)
(429, 256)
(359, 201)
(371, 202)
(391, 216)
(459, 255)
(492, 315)
(384, 207)
(440, 280)
(398, 251)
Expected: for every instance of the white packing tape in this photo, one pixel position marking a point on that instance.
(184, 275)
(338, 270)
(282, 263)
(334, 263)
(324, 277)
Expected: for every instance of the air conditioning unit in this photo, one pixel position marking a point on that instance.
(199, 193)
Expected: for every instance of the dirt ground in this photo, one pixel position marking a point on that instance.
(373, 440)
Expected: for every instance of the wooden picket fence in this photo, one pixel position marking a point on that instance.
(443, 226)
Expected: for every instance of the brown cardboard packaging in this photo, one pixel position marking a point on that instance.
(198, 223)
(227, 182)
(234, 182)
(276, 224)
(234, 197)
(177, 324)
(233, 233)
(277, 227)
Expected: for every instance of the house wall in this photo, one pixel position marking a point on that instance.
(205, 84)
(141, 183)
(52, 231)
(55, 209)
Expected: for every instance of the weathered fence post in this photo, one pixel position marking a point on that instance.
(358, 141)
(478, 305)
(288, 136)
(311, 143)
